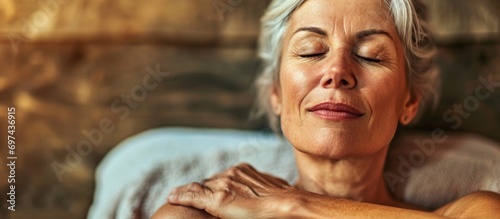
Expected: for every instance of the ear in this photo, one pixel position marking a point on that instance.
(276, 100)
(410, 108)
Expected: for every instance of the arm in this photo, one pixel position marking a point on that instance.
(480, 204)
(475, 205)
(310, 205)
(242, 192)
(168, 211)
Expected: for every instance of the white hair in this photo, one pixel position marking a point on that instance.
(411, 25)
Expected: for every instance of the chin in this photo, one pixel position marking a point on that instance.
(333, 143)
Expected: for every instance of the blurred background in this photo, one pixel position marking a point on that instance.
(72, 67)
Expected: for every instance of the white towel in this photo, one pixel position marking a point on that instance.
(135, 178)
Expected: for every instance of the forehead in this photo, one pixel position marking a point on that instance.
(344, 15)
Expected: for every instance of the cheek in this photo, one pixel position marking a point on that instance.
(295, 82)
(385, 95)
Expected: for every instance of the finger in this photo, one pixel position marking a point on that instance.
(191, 187)
(194, 199)
(232, 172)
(239, 176)
(249, 170)
(262, 179)
(195, 187)
(222, 183)
(243, 175)
(233, 178)
(184, 188)
(277, 181)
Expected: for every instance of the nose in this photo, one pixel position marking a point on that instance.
(338, 72)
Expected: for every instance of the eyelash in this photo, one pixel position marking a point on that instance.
(314, 55)
(366, 59)
(319, 55)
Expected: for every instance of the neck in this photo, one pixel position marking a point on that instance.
(358, 179)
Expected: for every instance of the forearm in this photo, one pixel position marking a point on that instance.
(178, 212)
(317, 206)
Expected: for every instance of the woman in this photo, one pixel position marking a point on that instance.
(339, 76)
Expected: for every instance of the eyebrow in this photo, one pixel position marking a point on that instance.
(366, 33)
(359, 35)
(311, 29)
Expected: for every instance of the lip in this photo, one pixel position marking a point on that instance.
(335, 111)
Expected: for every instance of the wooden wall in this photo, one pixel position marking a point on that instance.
(66, 64)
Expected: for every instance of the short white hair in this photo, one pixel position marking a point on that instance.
(410, 19)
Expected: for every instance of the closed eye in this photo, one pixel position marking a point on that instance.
(313, 55)
(366, 59)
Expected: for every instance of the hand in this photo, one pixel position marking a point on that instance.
(239, 192)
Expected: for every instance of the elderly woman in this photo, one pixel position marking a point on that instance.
(339, 76)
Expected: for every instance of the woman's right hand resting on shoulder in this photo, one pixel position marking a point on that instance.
(169, 211)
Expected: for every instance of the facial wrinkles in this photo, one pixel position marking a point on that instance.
(340, 39)
(293, 76)
(397, 80)
(389, 81)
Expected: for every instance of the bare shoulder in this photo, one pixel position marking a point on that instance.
(168, 211)
(481, 204)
